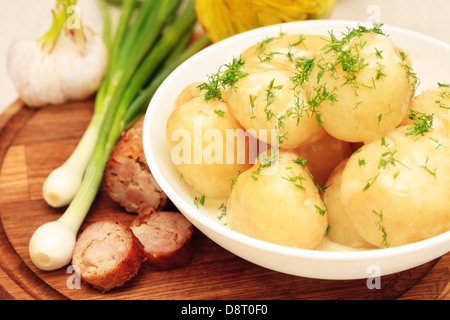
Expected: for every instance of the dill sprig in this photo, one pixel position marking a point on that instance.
(223, 209)
(348, 58)
(199, 201)
(379, 224)
(304, 66)
(320, 210)
(296, 180)
(431, 172)
(222, 79)
(422, 123)
(443, 95)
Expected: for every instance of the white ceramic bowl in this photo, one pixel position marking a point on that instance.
(431, 63)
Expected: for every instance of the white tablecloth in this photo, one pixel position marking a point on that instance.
(31, 18)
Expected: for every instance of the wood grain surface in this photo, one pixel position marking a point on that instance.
(35, 141)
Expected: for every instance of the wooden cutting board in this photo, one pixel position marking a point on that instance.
(35, 141)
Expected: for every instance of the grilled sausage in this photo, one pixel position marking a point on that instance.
(166, 237)
(128, 179)
(108, 255)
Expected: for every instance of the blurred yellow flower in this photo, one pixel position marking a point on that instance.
(224, 18)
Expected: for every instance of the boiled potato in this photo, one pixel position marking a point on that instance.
(197, 137)
(279, 204)
(265, 104)
(433, 102)
(341, 229)
(192, 91)
(187, 94)
(323, 156)
(363, 87)
(285, 48)
(395, 189)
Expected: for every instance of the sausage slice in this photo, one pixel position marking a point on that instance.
(166, 237)
(108, 254)
(127, 177)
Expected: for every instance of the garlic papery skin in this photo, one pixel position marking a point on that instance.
(67, 73)
(51, 245)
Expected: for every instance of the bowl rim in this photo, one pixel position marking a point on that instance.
(200, 219)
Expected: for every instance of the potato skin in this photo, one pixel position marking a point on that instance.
(395, 190)
(324, 156)
(370, 97)
(285, 48)
(341, 229)
(435, 102)
(187, 94)
(271, 208)
(208, 173)
(266, 103)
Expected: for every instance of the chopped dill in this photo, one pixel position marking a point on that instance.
(439, 145)
(443, 95)
(199, 201)
(302, 161)
(422, 123)
(220, 113)
(384, 242)
(234, 180)
(320, 210)
(299, 41)
(223, 79)
(378, 53)
(303, 66)
(431, 172)
(327, 232)
(223, 210)
(370, 182)
(403, 55)
(361, 162)
(297, 180)
(388, 158)
(411, 76)
(270, 95)
(252, 105)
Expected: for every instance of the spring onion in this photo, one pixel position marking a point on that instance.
(138, 68)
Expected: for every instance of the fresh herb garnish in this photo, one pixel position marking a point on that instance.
(223, 79)
(220, 113)
(223, 210)
(384, 242)
(431, 172)
(304, 66)
(422, 123)
(199, 201)
(320, 210)
(302, 161)
(297, 180)
(439, 145)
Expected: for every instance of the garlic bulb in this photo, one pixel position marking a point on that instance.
(67, 73)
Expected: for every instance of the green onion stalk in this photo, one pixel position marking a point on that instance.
(141, 58)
